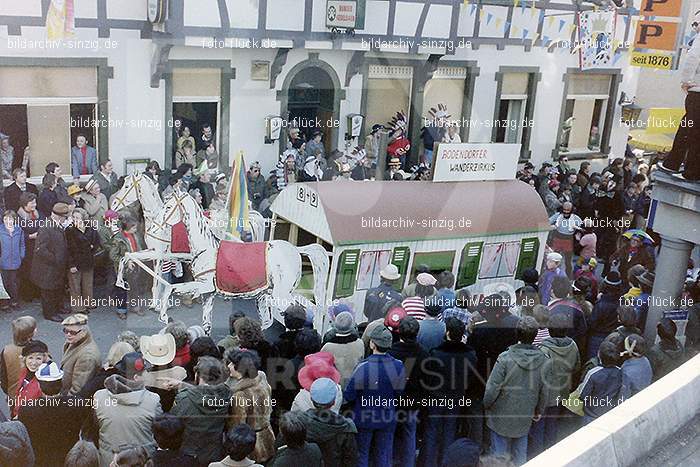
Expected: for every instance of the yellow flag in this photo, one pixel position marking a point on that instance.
(514, 30)
(515, 3)
(499, 21)
(550, 20)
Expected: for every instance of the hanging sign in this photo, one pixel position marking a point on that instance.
(596, 33)
(346, 14)
(458, 162)
(658, 60)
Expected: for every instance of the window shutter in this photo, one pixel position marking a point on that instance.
(469, 264)
(347, 273)
(399, 258)
(529, 247)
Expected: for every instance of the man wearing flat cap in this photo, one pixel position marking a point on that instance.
(373, 389)
(51, 262)
(81, 357)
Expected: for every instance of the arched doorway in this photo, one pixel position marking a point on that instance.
(310, 100)
(311, 94)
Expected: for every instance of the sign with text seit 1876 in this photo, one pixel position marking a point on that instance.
(461, 162)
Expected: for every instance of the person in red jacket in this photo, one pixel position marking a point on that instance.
(34, 353)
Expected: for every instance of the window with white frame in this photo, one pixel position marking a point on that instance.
(584, 113)
(511, 108)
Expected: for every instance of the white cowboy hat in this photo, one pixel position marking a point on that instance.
(390, 272)
(158, 349)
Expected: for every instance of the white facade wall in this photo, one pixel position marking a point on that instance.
(132, 98)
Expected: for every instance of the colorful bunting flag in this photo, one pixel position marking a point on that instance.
(489, 17)
(550, 20)
(561, 24)
(525, 32)
(499, 21)
(473, 9)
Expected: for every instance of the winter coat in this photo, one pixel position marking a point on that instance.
(431, 333)
(348, 351)
(79, 363)
(450, 371)
(45, 201)
(627, 260)
(380, 377)
(12, 248)
(82, 247)
(516, 390)
(334, 435)
(54, 427)
(572, 313)
(121, 246)
(414, 358)
(636, 375)
(50, 257)
(27, 391)
(124, 412)
(284, 346)
(604, 316)
(95, 205)
(308, 455)
(96, 383)
(251, 404)
(15, 445)
(13, 192)
(563, 363)
(378, 298)
(204, 410)
(256, 189)
(108, 186)
(551, 202)
(489, 339)
(665, 357)
(545, 283)
(601, 390)
(11, 366)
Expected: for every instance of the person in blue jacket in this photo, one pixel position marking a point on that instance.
(12, 251)
(374, 391)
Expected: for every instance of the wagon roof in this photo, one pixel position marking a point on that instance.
(385, 211)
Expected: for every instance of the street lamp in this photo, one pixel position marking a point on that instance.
(630, 110)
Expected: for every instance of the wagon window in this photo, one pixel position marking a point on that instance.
(371, 262)
(499, 260)
(437, 261)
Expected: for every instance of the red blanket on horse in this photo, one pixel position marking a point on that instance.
(179, 239)
(241, 267)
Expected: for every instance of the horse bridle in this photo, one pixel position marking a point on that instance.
(134, 184)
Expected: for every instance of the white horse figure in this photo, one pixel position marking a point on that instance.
(282, 266)
(139, 187)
